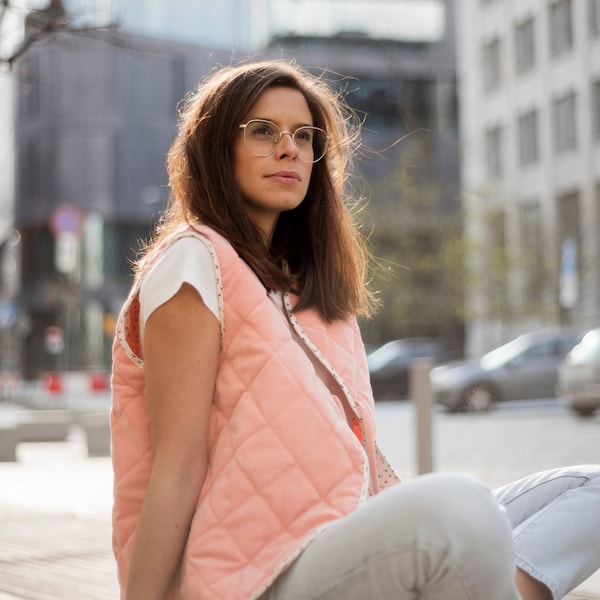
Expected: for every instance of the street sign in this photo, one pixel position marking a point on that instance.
(66, 251)
(67, 218)
(54, 340)
(569, 278)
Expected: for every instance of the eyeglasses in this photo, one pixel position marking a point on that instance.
(261, 138)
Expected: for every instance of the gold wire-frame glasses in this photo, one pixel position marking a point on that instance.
(261, 138)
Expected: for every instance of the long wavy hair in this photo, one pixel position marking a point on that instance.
(319, 241)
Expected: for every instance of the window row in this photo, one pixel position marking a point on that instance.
(542, 271)
(543, 274)
(564, 128)
(561, 37)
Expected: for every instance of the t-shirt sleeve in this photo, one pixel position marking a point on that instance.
(187, 260)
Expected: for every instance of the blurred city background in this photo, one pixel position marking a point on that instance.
(479, 181)
(479, 165)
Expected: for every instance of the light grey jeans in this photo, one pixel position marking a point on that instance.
(555, 516)
(446, 537)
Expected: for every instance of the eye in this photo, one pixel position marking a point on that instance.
(304, 135)
(261, 129)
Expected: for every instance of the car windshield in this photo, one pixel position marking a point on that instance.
(401, 351)
(587, 350)
(380, 357)
(500, 356)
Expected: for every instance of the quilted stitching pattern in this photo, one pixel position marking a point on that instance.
(274, 428)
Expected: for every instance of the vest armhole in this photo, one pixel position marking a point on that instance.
(129, 330)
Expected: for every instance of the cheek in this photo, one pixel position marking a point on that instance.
(240, 167)
(245, 179)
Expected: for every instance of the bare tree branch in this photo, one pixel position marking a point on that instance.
(40, 24)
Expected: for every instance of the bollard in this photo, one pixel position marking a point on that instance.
(97, 432)
(420, 393)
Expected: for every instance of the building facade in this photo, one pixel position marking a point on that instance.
(529, 97)
(93, 120)
(92, 116)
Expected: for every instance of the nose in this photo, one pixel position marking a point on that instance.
(286, 145)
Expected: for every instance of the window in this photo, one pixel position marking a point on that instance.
(569, 238)
(493, 151)
(492, 72)
(594, 16)
(495, 278)
(596, 109)
(561, 26)
(532, 257)
(37, 258)
(564, 123)
(393, 103)
(528, 138)
(121, 245)
(525, 46)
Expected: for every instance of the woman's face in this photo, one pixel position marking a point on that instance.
(276, 183)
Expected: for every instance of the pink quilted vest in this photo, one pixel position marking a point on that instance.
(283, 460)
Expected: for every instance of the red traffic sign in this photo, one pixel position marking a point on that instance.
(67, 218)
(54, 340)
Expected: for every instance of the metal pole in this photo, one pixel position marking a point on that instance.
(420, 393)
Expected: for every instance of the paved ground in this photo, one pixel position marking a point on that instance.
(515, 440)
(55, 501)
(55, 524)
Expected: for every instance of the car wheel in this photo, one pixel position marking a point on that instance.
(584, 411)
(479, 397)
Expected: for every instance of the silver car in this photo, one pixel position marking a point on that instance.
(524, 368)
(579, 375)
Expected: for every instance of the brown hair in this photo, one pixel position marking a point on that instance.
(319, 240)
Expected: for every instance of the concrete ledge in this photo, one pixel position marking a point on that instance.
(44, 425)
(9, 438)
(96, 427)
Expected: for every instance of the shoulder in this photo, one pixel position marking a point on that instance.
(187, 259)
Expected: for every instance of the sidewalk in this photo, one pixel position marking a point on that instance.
(55, 524)
(47, 556)
(55, 532)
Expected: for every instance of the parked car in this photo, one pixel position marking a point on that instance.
(526, 367)
(579, 375)
(389, 364)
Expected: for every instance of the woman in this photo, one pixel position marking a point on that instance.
(243, 431)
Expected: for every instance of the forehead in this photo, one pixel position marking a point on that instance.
(281, 105)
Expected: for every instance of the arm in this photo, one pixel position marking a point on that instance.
(181, 347)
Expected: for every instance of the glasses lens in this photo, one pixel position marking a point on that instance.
(311, 143)
(260, 137)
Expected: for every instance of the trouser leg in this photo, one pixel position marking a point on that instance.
(555, 517)
(437, 537)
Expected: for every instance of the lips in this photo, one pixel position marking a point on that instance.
(285, 176)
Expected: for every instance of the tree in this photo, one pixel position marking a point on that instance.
(39, 24)
(419, 246)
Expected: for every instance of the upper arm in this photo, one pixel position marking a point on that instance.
(181, 350)
(189, 260)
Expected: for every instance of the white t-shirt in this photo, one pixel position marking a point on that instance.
(187, 260)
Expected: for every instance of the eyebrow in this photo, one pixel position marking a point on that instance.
(297, 126)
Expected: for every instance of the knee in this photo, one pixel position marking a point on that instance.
(459, 510)
(456, 525)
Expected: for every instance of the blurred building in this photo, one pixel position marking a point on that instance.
(404, 91)
(92, 114)
(529, 89)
